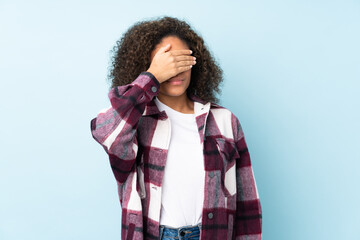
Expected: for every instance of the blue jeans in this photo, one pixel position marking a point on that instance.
(182, 233)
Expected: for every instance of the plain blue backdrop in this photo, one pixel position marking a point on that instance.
(291, 71)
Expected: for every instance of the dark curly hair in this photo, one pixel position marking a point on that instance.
(131, 55)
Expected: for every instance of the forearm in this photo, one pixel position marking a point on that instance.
(115, 128)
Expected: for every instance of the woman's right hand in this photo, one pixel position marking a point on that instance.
(167, 64)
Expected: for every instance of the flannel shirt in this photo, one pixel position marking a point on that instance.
(136, 137)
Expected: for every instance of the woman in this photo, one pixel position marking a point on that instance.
(179, 159)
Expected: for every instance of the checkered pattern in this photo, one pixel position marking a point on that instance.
(136, 137)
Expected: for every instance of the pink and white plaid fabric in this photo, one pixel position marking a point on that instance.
(136, 136)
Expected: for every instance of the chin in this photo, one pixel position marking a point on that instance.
(173, 93)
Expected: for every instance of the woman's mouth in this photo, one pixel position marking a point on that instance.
(175, 81)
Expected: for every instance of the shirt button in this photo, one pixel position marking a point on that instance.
(153, 88)
(210, 215)
(211, 174)
(182, 233)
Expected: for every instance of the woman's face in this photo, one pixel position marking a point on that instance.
(167, 87)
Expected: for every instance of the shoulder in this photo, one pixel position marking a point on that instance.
(225, 112)
(221, 111)
(226, 120)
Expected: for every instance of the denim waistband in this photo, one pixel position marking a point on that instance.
(187, 226)
(180, 231)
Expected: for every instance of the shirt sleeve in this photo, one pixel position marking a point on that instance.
(115, 128)
(248, 217)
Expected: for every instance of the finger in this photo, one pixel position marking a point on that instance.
(183, 69)
(181, 52)
(185, 63)
(184, 58)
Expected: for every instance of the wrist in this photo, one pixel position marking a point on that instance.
(154, 74)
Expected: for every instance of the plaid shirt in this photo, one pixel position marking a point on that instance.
(136, 137)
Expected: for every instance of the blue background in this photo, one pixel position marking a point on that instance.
(292, 74)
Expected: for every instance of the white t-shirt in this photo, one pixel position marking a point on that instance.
(184, 176)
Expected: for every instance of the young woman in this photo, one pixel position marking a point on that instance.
(180, 160)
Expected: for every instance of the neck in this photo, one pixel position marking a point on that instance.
(179, 103)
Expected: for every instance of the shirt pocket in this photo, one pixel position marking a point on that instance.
(228, 153)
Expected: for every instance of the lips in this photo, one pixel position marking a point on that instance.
(176, 80)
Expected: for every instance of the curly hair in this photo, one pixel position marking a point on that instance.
(132, 55)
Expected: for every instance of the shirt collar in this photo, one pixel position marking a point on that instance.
(200, 107)
(201, 111)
